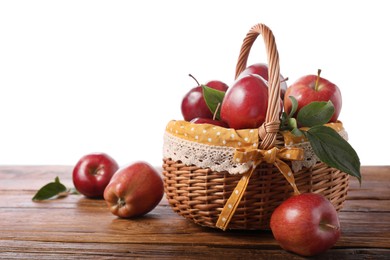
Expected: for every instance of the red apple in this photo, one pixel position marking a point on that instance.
(245, 103)
(261, 69)
(134, 190)
(313, 88)
(306, 224)
(193, 104)
(199, 120)
(92, 173)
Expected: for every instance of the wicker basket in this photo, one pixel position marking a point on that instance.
(202, 194)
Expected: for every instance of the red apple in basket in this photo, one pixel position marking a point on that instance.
(313, 88)
(245, 103)
(261, 69)
(92, 173)
(306, 224)
(199, 120)
(134, 190)
(193, 104)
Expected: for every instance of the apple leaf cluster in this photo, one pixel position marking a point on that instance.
(327, 144)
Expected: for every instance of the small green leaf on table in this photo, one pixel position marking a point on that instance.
(50, 190)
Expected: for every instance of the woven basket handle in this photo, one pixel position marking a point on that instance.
(270, 128)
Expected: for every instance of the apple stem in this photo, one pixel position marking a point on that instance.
(284, 80)
(99, 170)
(331, 226)
(216, 110)
(197, 82)
(318, 80)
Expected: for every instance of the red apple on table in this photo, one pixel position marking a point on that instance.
(306, 224)
(92, 173)
(261, 69)
(134, 190)
(193, 104)
(245, 103)
(313, 88)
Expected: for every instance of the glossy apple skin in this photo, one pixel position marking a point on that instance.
(245, 103)
(298, 224)
(200, 120)
(193, 104)
(134, 190)
(92, 173)
(304, 92)
(261, 69)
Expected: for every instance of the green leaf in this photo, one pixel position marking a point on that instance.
(50, 190)
(288, 122)
(315, 113)
(213, 99)
(292, 123)
(294, 106)
(283, 122)
(295, 131)
(334, 150)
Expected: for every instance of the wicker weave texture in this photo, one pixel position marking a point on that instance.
(200, 194)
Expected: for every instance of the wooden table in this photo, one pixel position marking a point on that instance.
(79, 228)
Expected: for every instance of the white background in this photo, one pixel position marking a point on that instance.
(106, 76)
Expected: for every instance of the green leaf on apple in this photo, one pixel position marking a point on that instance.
(326, 143)
(213, 99)
(315, 113)
(288, 122)
(294, 106)
(50, 190)
(334, 150)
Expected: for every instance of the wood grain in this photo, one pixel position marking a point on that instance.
(79, 228)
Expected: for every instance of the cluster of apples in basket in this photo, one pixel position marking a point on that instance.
(306, 224)
(244, 104)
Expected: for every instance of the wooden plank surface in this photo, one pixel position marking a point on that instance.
(79, 228)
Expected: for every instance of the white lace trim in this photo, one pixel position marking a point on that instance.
(220, 158)
(310, 158)
(217, 158)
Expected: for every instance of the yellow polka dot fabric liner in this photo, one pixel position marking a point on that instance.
(214, 135)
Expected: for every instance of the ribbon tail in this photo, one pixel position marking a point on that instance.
(234, 199)
(287, 173)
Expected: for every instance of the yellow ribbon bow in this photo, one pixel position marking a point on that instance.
(273, 156)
